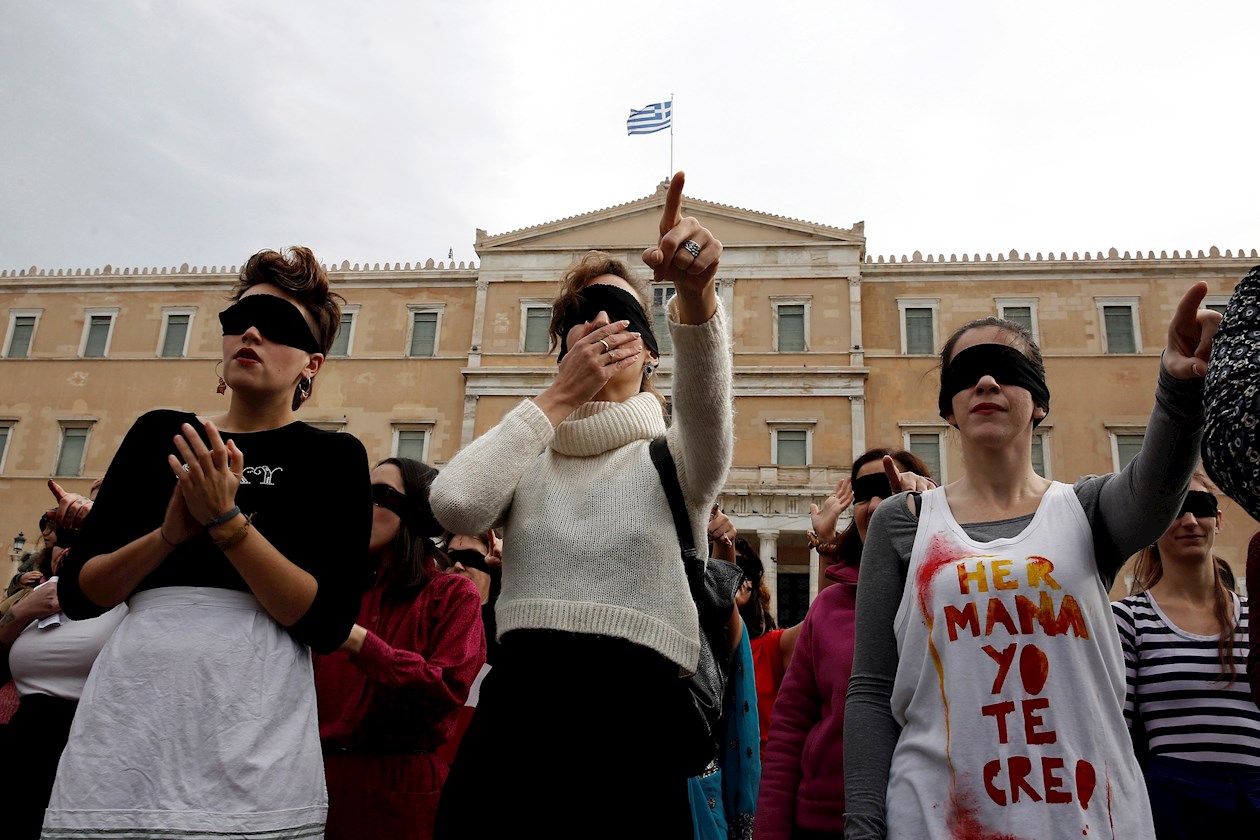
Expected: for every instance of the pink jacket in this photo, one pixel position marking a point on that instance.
(802, 775)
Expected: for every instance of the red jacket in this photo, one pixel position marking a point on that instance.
(405, 687)
(802, 776)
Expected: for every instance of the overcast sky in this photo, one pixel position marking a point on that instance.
(155, 133)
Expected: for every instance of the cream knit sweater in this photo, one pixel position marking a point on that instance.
(590, 546)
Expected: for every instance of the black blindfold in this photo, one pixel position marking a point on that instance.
(1005, 364)
(871, 486)
(277, 319)
(470, 559)
(1201, 503)
(620, 306)
(420, 522)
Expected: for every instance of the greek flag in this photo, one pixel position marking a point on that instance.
(651, 119)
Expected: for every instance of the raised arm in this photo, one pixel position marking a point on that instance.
(1135, 506)
(700, 437)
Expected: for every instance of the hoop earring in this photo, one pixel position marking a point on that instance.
(301, 395)
(222, 389)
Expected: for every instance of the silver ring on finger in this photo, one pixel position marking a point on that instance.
(185, 468)
(692, 247)
(607, 348)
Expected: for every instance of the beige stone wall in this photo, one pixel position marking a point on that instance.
(849, 398)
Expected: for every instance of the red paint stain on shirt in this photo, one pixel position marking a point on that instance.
(965, 825)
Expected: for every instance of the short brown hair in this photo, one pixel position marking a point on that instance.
(584, 269)
(297, 272)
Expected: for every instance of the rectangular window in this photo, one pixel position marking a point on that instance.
(791, 447)
(96, 336)
(411, 443)
(423, 333)
(21, 330)
(661, 296)
(1118, 325)
(537, 326)
(175, 335)
(927, 447)
(1039, 455)
(341, 344)
(1127, 447)
(920, 336)
(1215, 307)
(70, 455)
(791, 319)
(1021, 315)
(6, 431)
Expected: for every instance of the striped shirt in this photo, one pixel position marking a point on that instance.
(1175, 686)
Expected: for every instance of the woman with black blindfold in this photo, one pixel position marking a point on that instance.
(802, 780)
(595, 618)
(1184, 634)
(988, 682)
(390, 698)
(229, 538)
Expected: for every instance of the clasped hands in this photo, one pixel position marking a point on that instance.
(206, 482)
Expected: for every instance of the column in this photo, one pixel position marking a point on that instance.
(769, 550)
(814, 568)
(857, 357)
(478, 328)
(469, 426)
(857, 407)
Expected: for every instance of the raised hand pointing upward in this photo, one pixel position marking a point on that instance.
(687, 255)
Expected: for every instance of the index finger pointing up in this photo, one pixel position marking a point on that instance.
(672, 214)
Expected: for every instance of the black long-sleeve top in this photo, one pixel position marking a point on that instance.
(310, 495)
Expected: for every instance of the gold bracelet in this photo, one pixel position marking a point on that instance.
(228, 543)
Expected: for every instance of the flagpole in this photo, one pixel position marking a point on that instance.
(670, 174)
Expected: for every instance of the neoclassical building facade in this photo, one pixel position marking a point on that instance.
(834, 352)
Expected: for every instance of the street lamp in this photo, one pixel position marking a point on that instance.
(19, 543)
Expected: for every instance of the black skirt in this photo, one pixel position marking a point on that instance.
(36, 735)
(570, 738)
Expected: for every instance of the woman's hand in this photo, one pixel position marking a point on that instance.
(1190, 335)
(39, 604)
(354, 642)
(597, 350)
(178, 525)
(687, 255)
(29, 579)
(905, 482)
(71, 508)
(823, 519)
(208, 477)
(494, 550)
(722, 535)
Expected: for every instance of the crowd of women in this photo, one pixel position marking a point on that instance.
(514, 645)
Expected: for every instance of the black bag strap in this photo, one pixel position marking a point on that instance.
(664, 463)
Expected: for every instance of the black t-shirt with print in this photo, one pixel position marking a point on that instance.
(310, 495)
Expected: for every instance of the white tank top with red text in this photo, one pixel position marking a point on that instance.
(1010, 687)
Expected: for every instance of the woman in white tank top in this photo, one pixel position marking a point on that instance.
(988, 686)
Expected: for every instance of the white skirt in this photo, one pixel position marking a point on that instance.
(198, 722)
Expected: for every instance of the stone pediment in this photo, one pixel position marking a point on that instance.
(629, 226)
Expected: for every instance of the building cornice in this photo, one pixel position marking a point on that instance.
(519, 238)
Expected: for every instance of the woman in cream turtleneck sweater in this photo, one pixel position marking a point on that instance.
(595, 618)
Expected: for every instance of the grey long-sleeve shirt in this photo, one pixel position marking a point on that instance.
(1126, 510)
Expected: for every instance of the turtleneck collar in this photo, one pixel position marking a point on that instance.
(599, 427)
